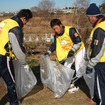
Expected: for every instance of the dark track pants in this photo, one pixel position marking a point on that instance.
(99, 87)
(7, 77)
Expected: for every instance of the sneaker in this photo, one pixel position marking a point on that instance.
(73, 90)
(71, 85)
(90, 100)
(56, 96)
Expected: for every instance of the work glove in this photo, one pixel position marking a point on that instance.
(88, 70)
(46, 54)
(71, 53)
(26, 67)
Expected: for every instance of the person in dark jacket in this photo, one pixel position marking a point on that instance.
(97, 52)
(11, 46)
(67, 43)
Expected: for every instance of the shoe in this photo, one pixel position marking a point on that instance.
(71, 85)
(90, 100)
(73, 89)
(56, 96)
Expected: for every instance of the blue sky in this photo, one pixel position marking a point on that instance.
(15, 5)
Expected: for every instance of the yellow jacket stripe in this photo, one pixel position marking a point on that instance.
(102, 26)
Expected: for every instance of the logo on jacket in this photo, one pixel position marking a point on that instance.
(65, 45)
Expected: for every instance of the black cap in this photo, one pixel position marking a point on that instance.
(93, 10)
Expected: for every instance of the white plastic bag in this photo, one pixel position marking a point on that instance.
(25, 79)
(55, 76)
(89, 78)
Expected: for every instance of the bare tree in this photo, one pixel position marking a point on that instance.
(35, 9)
(102, 7)
(103, 1)
(46, 5)
(81, 6)
(82, 3)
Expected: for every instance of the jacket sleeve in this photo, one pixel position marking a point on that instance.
(97, 46)
(16, 40)
(76, 39)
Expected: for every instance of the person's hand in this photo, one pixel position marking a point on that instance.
(26, 67)
(89, 70)
(71, 53)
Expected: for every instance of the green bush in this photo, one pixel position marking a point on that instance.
(30, 45)
(33, 63)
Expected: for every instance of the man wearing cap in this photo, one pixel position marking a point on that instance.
(97, 52)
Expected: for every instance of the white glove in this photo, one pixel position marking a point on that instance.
(26, 67)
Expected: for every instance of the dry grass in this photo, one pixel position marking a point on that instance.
(39, 25)
(41, 95)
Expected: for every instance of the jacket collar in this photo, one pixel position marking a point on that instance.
(98, 21)
(62, 32)
(18, 20)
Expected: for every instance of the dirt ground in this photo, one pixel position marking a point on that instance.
(41, 95)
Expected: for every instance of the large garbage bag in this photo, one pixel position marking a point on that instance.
(55, 76)
(89, 78)
(69, 61)
(25, 79)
